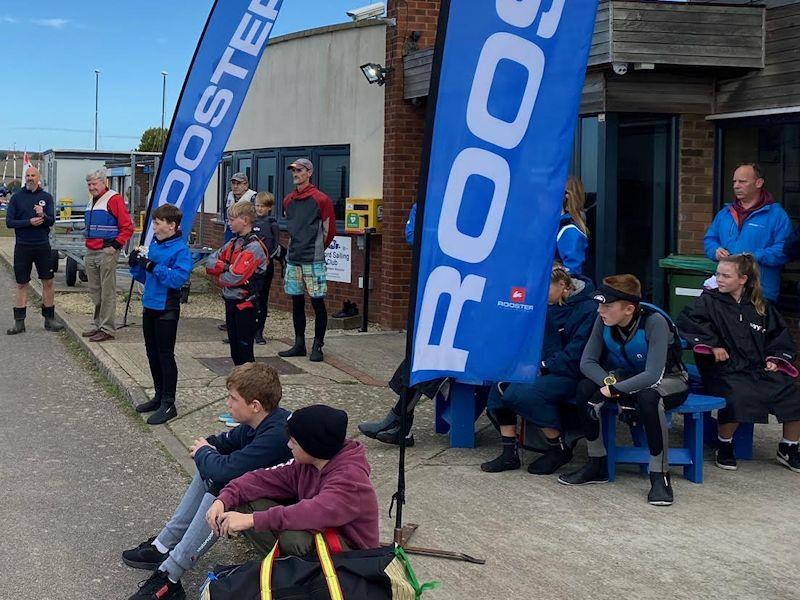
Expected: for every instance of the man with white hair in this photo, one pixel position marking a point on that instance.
(108, 228)
(31, 214)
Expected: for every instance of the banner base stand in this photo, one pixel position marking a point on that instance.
(403, 536)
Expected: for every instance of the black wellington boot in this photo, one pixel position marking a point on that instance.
(259, 338)
(299, 349)
(165, 412)
(316, 351)
(372, 428)
(150, 405)
(19, 321)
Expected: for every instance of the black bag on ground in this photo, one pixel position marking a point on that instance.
(375, 574)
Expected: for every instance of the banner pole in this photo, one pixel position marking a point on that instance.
(153, 194)
(400, 495)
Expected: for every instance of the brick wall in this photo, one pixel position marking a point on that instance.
(696, 182)
(405, 127)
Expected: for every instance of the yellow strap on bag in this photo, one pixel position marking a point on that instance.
(328, 570)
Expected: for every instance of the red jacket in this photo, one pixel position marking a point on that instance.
(340, 496)
(119, 212)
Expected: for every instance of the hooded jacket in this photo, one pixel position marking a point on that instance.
(311, 224)
(173, 265)
(566, 330)
(243, 449)
(238, 267)
(715, 319)
(762, 234)
(571, 245)
(339, 496)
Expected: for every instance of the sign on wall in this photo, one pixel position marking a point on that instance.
(338, 258)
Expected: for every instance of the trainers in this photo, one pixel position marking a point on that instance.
(372, 428)
(231, 423)
(226, 416)
(392, 436)
(504, 462)
(660, 489)
(789, 456)
(159, 587)
(595, 471)
(222, 327)
(553, 459)
(725, 458)
(144, 556)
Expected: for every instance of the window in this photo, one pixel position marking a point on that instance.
(267, 171)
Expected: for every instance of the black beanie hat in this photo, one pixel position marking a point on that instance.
(320, 430)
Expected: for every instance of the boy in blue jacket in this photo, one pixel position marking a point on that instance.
(165, 267)
(260, 441)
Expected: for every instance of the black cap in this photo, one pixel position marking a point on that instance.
(605, 294)
(320, 430)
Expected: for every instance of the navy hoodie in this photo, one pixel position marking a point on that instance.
(243, 449)
(20, 212)
(567, 329)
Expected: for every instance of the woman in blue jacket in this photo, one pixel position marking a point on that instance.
(572, 240)
(165, 266)
(570, 315)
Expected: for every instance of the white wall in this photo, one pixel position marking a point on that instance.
(309, 91)
(71, 179)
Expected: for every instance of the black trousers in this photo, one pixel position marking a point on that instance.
(160, 328)
(263, 297)
(647, 403)
(241, 329)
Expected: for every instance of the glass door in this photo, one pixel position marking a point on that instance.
(644, 200)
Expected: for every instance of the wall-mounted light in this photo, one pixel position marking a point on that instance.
(375, 73)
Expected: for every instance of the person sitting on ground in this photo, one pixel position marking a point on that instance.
(744, 354)
(238, 268)
(570, 316)
(633, 357)
(254, 394)
(266, 228)
(165, 267)
(572, 240)
(326, 486)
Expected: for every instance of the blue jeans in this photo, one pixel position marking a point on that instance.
(539, 402)
(187, 534)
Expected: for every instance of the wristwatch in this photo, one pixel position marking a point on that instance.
(610, 380)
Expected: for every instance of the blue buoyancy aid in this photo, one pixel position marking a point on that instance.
(100, 223)
(631, 356)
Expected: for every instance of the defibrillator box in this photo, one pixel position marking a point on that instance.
(361, 213)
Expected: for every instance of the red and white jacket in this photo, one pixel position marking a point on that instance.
(107, 222)
(238, 267)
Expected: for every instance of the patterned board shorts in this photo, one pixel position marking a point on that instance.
(312, 276)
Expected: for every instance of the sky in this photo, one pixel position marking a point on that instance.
(51, 49)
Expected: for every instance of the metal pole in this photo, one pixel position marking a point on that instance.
(367, 242)
(163, 98)
(96, 102)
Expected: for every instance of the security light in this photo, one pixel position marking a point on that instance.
(371, 11)
(375, 73)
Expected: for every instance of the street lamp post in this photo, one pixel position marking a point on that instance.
(96, 103)
(163, 97)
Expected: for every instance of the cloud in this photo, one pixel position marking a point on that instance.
(7, 19)
(55, 23)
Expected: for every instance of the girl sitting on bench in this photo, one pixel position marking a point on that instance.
(570, 315)
(744, 354)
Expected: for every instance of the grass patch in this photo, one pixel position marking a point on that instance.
(4, 231)
(85, 361)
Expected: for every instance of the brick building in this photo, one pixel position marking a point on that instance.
(676, 94)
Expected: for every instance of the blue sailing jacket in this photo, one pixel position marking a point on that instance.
(162, 288)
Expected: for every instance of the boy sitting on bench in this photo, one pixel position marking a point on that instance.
(745, 354)
(632, 358)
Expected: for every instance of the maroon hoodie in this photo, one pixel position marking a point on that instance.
(339, 496)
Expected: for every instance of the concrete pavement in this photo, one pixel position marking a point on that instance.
(733, 536)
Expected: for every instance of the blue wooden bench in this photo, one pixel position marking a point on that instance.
(690, 456)
(742, 439)
(457, 414)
